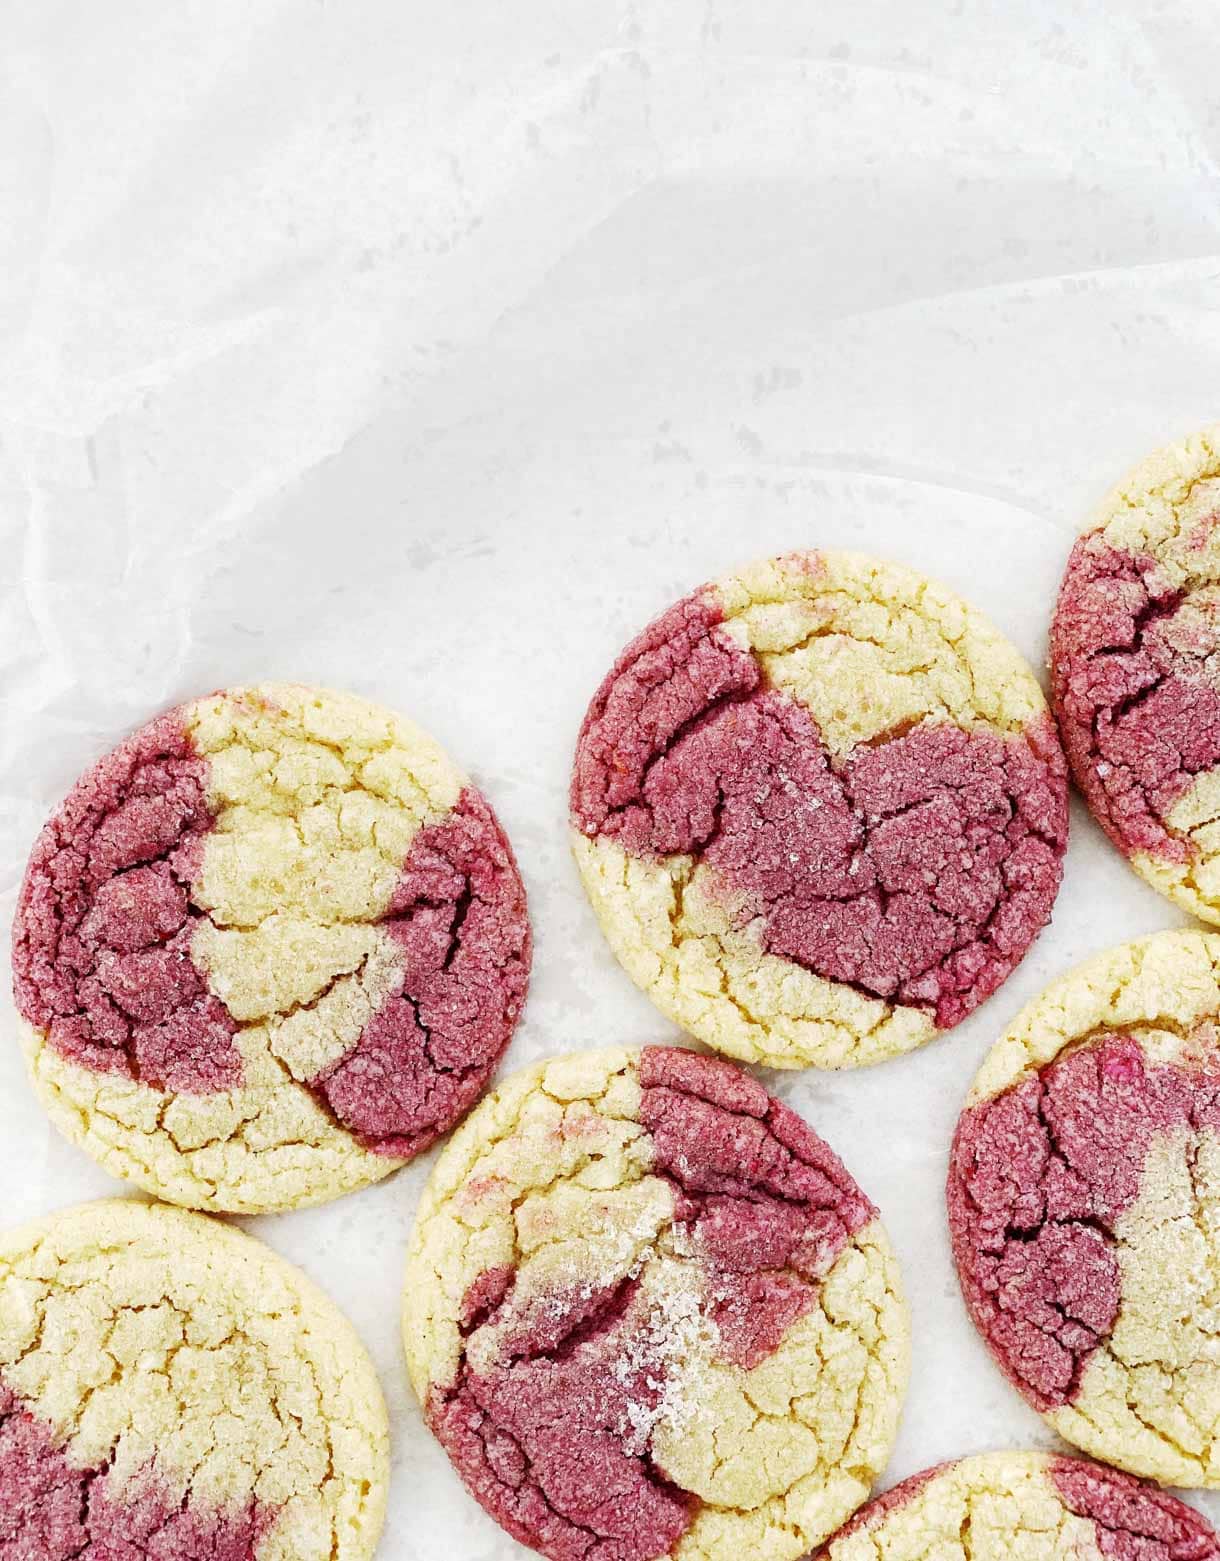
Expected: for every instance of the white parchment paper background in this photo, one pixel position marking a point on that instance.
(429, 350)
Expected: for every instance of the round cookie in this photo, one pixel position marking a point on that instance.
(820, 809)
(171, 1390)
(1024, 1507)
(649, 1314)
(1135, 662)
(1083, 1192)
(267, 950)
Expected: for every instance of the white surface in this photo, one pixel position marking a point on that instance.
(429, 350)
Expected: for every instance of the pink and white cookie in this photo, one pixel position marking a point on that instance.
(1083, 1189)
(171, 1390)
(649, 1314)
(1135, 659)
(820, 809)
(268, 949)
(1024, 1507)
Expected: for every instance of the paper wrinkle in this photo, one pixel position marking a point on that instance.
(431, 352)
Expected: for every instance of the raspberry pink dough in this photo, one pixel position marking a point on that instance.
(820, 809)
(1136, 674)
(1031, 1505)
(268, 948)
(55, 1512)
(650, 1315)
(1081, 1179)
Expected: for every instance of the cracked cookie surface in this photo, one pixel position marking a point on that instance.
(1024, 1507)
(171, 1390)
(1083, 1195)
(820, 809)
(1135, 660)
(649, 1314)
(269, 948)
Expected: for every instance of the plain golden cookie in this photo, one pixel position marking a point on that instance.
(649, 1314)
(820, 810)
(267, 950)
(170, 1390)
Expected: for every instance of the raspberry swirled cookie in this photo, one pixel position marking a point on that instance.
(268, 949)
(820, 809)
(171, 1390)
(1024, 1507)
(649, 1314)
(1083, 1188)
(1135, 661)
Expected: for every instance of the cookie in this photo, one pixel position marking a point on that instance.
(1135, 660)
(649, 1314)
(267, 950)
(1025, 1507)
(171, 1390)
(1083, 1189)
(820, 809)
